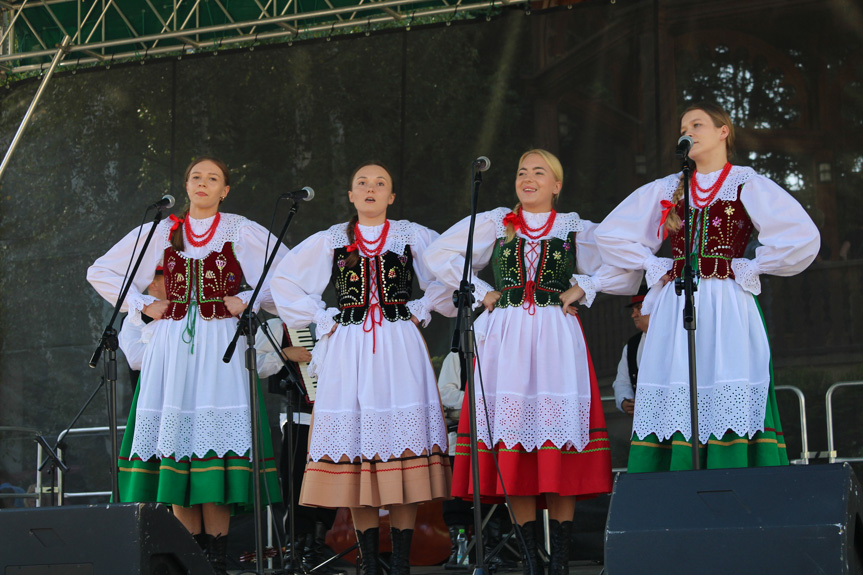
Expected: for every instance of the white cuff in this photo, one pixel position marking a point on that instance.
(136, 303)
(482, 288)
(655, 268)
(418, 308)
(589, 285)
(324, 321)
(246, 296)
(747, 273)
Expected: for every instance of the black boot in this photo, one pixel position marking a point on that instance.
(203, 541)
(219, 554)
(561, 538)
(294, 554)
(531, 561)
(453, 537)
(494, 538)
(368, 542)
(401, 559)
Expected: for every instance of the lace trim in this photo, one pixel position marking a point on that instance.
(590, 287)
(747, 274)
(564, 223)
(738, 406)
(228, 231)
(402, 233)
(738, 176)
(418, 308)
(175, 433)
(325, 320)
(563, 420)
(382, 433)
(137, 302)
(656, 268)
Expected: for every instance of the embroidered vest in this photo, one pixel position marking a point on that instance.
(394, 278)
(205, 281)
(554, 270)
(719, 233)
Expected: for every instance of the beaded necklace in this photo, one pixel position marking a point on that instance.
(199, 240)
(536, 233)
(370, 248)
(709, 193)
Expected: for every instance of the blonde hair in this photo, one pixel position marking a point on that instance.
(556, 171)
(720, 118)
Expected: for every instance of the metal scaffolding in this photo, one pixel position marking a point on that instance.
(105, 31)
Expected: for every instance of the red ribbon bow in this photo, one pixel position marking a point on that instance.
(512, 218)
(352, 247)
(666, 209)
(177, 222)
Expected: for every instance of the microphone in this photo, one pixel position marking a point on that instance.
(306, 194)
(167, 201)
(481, 164)
(683, 146)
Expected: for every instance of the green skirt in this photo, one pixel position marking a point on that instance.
(199, 479)
(731, 450)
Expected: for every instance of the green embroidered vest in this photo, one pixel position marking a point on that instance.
(554, 270)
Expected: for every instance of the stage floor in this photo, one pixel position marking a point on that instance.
(575, 568)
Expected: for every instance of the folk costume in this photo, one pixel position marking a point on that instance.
(737, 414)
(547, 423)
(378, 435)
(188, 438)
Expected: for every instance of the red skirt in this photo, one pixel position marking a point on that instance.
(565, 472)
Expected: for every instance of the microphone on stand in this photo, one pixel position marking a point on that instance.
(481, 164)
(305, 194)
(684, 144)
(167, 201)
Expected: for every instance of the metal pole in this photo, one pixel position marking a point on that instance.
(61, 51)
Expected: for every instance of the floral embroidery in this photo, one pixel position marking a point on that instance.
(341, 264)
(231, 277)
(506, 252)
(392, 273)
(557, 255)
(171, 265)
(716, 221)
(210, 275)
(566, 246)
(221, 262)
(179, 278)
(729, 210)
(740, 224)
(353, 277)
(403, 259)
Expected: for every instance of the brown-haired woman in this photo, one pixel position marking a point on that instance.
(547, 424)
(737, 415)
(188, 439)
(378, 437)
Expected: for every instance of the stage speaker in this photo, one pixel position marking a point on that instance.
(118, 539)
(767, 520)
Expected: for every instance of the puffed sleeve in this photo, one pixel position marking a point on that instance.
(299, 281)
(445, 256)
(269, 362)
(788, 236)
(252, 251)
(630, 235)
(449, 382)
(131, 345)
(594, 275)
(437, 296)
(107, 273)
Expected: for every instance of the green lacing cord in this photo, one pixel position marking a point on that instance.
(191, 316)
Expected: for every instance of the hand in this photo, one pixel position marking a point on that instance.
(297, 354)
(490, 299)
(333, 330)
(665, 279)
(416, 320)
(157, 309)
(570, 297)
(628, 406)
(234, 304)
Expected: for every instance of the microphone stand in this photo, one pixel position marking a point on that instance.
(291, 396)
(685, 285)
(109, 343)
(463, 341)
(246, 326)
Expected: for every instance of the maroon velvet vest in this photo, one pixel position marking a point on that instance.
(214, 277)
(719, 234)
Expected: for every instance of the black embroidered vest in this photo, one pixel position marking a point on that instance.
(554, 270)
(394, 279)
